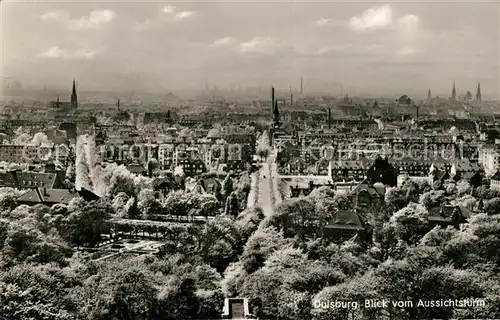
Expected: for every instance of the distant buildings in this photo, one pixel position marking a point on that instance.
(71, 105)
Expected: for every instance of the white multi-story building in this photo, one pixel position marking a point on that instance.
(489, 157)
(166, 154)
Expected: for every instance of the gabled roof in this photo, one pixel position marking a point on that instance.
(366, 186)
(445, 213)
(210, 183)
(170, 182)
(40, 196)
(469, 174)
(346, 220)
(136, 168)
(440, 174)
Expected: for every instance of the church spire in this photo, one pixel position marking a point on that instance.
(478, 94)
(74, 100)
(429, 94)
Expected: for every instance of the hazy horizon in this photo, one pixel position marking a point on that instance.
(374, 48)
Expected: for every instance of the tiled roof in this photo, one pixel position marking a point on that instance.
(210, 183)
(366, 186)
(136, 168)
(350, 164)
(41, 195)
(346, 220)
(445, 213)
(27, 179)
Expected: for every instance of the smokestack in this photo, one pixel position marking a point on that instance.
(272, 99)
(329, 118)
(301, 85)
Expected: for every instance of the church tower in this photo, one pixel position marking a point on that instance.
(74, 100)
(454, 93)
(478, 93)
(429, 94)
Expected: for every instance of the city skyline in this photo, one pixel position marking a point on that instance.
(384, 48)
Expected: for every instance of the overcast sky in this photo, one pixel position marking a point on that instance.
(370, 47)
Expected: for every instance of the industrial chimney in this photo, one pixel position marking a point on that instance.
(272, 99)
(329, 118)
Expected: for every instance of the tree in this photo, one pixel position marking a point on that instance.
(463, 187)
(227, 186)
(70, 173)
(147, 203)
(123, 184)
(402, 280)
(119, 204)
(396, 198)
(410, 223)
(133, 296)
(492, 206)
(248, 221)
(177, 203)
(293, 215)
(219, 243)
(86, 221)
(244, 184)
(232, 205)
(39, 138)
(432, 199)
(21, 139)
(208, 205)
(259, 246)
(8, 198)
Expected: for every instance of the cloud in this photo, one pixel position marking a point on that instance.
(406, 51)
(95, 20)
(56, 15)
(144, 25)
(58, 53)
(261, 45)
(408, 21)
(184, 15)
(349, 49)
(167, 14)
(373, 18)
(408, 24)
(226, 41)
(325, 22)
(324, 50)
(169, 9)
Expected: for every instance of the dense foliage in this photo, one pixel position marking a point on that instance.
(45, 274)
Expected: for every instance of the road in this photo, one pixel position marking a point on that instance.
(265, 192)
(268, 193)
(273, 167)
